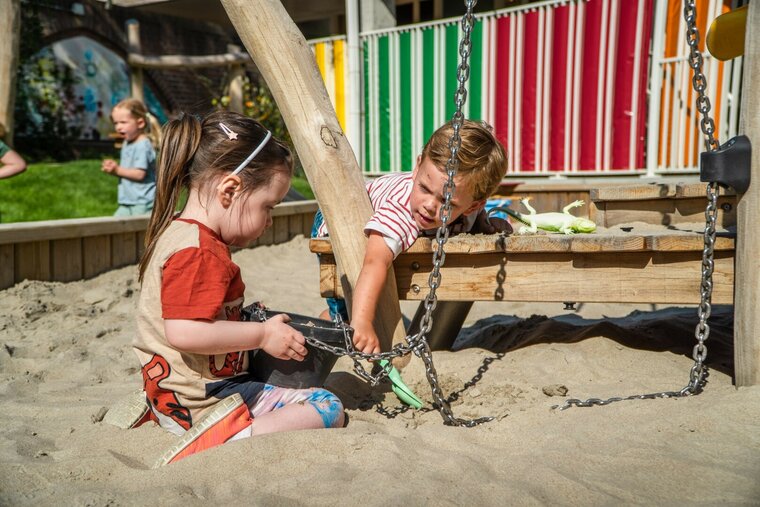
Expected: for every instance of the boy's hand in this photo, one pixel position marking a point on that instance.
(495, 225)
(109, 166)
(365, 338)
(281, 340)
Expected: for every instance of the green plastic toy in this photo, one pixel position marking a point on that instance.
(399, 387)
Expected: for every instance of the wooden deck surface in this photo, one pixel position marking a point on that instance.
(643, 264)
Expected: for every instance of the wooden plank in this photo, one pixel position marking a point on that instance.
(625, 277)
(295, 225)
(684, 243)
(140, 244)
(280, 227)
(73, 228)
(666, 212)
(96, 255)
(267, 238)
(633, 192)
(329, 285)
(7, 263)
(747, 317)
(686, 190)
(308, 223)
(123, 249)
(295, 207)
(32, 261)
(66, 259)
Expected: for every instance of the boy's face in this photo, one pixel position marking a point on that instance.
(427, 197)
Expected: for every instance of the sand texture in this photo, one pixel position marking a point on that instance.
(66, 356)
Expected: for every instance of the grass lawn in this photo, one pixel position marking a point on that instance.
(74, 189)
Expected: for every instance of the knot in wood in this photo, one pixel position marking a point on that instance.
(327, 137)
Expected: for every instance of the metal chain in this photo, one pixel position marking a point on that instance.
(417, 343)
(698, 373)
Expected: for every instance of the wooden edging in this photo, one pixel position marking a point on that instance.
(67, 250)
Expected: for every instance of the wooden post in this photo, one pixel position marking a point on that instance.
(135, 73)
(10, 10)
(747, 291)
(287, 64)
(237, 72)
(437, 9)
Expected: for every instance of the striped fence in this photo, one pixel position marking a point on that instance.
(564, 83)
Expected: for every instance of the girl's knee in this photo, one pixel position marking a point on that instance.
(328, 406)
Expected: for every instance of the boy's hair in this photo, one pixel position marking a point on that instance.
(137, 109)
(2, 130)
(482, 158)
(194, 152)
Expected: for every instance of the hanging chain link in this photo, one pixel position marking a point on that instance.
(699, 372)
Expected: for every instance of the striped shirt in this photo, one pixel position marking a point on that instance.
(392, 217)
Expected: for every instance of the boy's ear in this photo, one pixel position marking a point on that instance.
(226, 189)
(475, 206)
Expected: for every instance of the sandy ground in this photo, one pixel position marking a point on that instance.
(66, 355)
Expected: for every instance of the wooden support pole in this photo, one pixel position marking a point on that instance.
(747, 291)
(287, 64)
(135, 73)
(10, 10)
(237, 73)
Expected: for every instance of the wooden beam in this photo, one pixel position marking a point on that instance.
(135, 73)
(237, 75)
(287, 64)
(746, 315)
(139, 61)
(10, 11)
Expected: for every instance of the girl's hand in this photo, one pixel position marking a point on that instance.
(365, 338)
(109, 166)
(281, 340)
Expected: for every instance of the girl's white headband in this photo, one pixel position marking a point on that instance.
(233, 136)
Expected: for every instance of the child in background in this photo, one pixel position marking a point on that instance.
(11, 162)
(137, 169)
(409, 204)
(192, 348)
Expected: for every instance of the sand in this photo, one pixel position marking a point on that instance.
(66, 356)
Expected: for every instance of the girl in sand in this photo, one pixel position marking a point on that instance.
(136, 169)
(192, 348)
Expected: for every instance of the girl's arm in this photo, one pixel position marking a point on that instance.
(274, 336)
(135, 174)
(12, 164)
(377, 260)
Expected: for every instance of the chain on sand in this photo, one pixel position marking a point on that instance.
(698, 373)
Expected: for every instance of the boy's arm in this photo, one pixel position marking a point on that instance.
(377, 260)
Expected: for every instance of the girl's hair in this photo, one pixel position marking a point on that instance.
(194, 152)
(482, 158)
(138, 110)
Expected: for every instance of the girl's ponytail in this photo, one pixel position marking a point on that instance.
(153, 130)
(181, 139)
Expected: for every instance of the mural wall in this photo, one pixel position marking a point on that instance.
(100, 79)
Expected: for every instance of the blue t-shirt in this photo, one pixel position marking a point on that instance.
(138, 155)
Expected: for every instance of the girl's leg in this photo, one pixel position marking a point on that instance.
(279, 409)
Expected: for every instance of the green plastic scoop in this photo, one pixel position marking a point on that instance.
(399, 387)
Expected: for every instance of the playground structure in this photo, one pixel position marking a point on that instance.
(301, 95)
